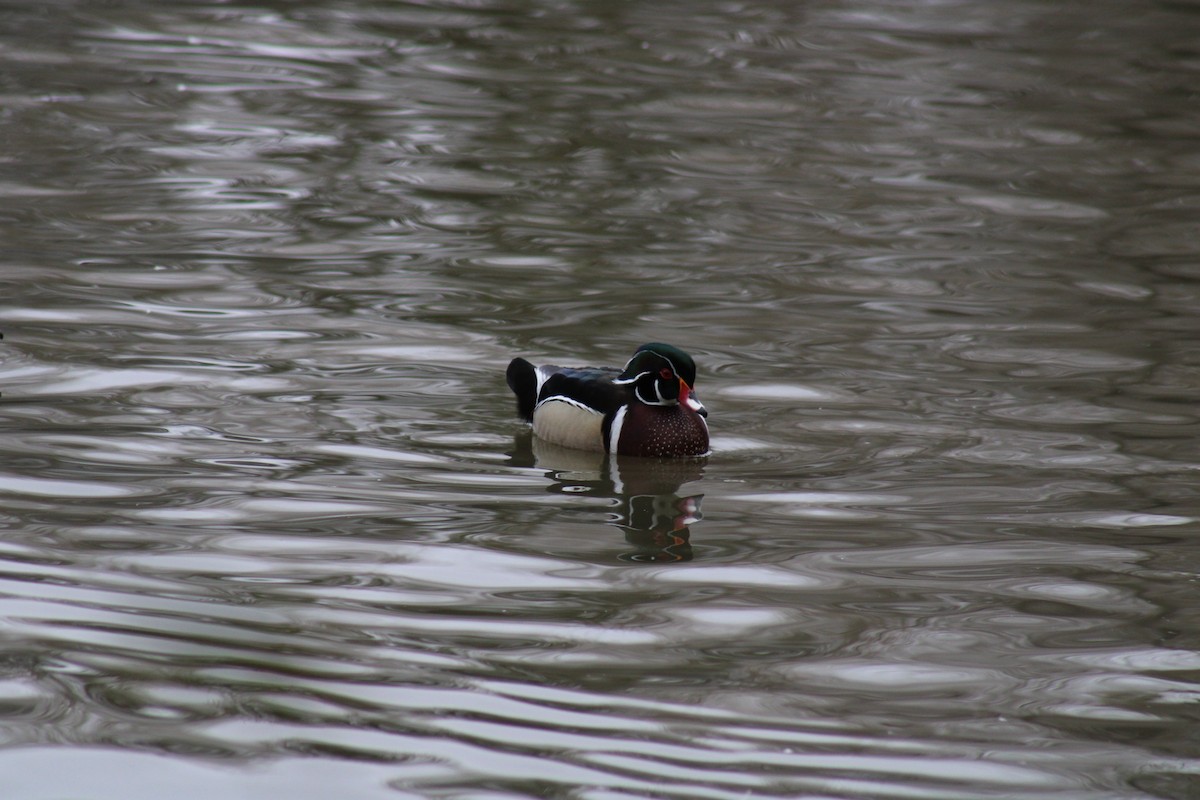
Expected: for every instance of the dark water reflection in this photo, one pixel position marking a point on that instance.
(272, 528)
(646, 494)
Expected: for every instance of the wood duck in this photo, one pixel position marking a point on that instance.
(647, 409)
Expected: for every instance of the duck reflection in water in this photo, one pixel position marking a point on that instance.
(654, 516)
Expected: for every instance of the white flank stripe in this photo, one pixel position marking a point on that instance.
(561, 398)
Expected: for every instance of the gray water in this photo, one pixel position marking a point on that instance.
(272, 529)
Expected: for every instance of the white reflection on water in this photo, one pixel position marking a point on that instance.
(41, 487)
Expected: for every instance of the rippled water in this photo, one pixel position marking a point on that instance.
(271, 526)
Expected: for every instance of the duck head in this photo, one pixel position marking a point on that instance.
(662, 375)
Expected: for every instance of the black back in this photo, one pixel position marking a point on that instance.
(591, 386)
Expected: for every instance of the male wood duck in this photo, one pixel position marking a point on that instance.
(647, 409)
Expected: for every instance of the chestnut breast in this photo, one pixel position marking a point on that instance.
(662, 432)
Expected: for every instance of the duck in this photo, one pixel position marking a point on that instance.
(648, 408)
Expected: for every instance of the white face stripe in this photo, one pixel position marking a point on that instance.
(634, 379)
(660, 355)
(637, 392)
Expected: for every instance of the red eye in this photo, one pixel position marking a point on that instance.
(665, 373)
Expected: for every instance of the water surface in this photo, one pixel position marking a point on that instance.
(270, 523)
